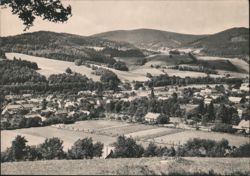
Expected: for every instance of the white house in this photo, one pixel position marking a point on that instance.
(235, 100)
(151, 117)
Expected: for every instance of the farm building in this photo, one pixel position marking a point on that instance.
(151, 117)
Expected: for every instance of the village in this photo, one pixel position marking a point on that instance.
(87, 105)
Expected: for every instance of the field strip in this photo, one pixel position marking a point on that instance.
(117, 126)
(153, 133)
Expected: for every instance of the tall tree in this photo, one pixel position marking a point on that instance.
(18, 148)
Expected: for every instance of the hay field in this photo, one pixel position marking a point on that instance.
(184, 136)
(52, 66)
(129, 166)
(37, 135)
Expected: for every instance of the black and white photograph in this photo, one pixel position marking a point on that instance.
(124, 87)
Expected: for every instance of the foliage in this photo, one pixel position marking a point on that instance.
(52, 149)
(127, 148)
(120, 66)
(222, 127)
(18, 148)
(28, 9)
(85, 149)
(18, 71)
(110, 80)
(242, 151)
(203, 147)
(120, 53)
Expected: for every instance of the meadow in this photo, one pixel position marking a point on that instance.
(129, 166)
(106, 131)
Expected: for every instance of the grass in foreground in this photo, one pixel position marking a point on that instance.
(134, 166)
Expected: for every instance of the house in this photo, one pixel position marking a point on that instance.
(243, 126)
(32, 115)
(151, 117)
(244, 87)
(235, 100)
(207, 100)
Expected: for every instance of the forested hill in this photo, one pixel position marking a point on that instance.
(233, 42)
(64, 46)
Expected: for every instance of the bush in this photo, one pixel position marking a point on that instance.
(52, 149)
(222, 127)
(203, 147)
(127, 148)
(242, 151)
(85, 149)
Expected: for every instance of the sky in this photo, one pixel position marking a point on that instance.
(182, 16)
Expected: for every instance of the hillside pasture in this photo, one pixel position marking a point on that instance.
(239, 63)
(166, 60)
(48, 67)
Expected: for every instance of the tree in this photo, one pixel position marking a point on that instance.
(18, 148)
(68, 70)
(52, 149)
(27, 10)
(211, 115)
(44, 104)
(127, 148)
(163, 119)
(82, 149)
(97, 149)
(222, 113)
(151, 150)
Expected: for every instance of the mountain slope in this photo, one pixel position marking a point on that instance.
(149, 38)
(233, 42)
(62, 46)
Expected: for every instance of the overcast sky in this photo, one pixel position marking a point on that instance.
(183, 16)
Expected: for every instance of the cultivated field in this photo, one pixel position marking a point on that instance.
(107, 131)
(129, 166)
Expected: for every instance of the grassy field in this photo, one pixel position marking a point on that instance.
(133, 166)
(51, 66)
(184, 136)
(164, 60)
(107, 131)
(239, 63)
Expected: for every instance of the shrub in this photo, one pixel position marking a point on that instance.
(127, 148)
(52, 149)
(222, 127)
(85, 149)
(242, 151)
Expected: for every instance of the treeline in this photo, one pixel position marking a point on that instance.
(123, 53)
(194, 69)
(19, 71)
(51, 149)
(164, 80)
(123, 148)
(20, 77)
